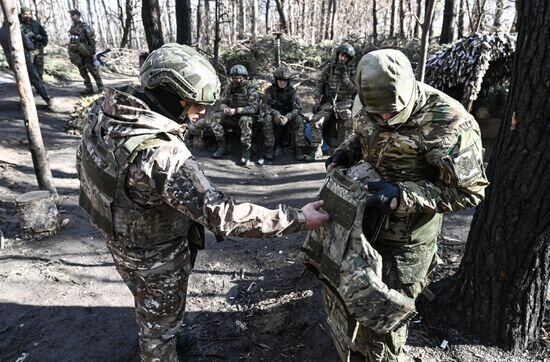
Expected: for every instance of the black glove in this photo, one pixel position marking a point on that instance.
(342, 67)
(339, 158)
(383, 193)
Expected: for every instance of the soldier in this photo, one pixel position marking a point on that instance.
(334, 93)
(38, 37)
(282, 106)
(141, 186)
(240, 103)
(427, 149)
(34, 78)
(81, 52)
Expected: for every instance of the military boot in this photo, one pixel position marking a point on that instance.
(89, 89)
(316, 155)
(220, 150)
(100, 87)
(299, 154)
(245, 157)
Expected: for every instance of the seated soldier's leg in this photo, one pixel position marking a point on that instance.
(245, 124)
(159, 294)
(297, 124)
(345, 124)
(317, 133)
(216, 124)
(269, 134)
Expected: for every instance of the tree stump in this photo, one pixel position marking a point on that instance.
(38, 213)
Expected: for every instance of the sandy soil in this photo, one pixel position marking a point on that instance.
(62, 300)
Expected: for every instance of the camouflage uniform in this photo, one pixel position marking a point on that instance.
(39, 38)
(336, 83)
(81, 49)
(244, 97)
(34, 78)
(282, 102)
(141, 186)
(431, 149)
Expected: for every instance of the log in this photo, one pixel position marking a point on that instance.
(38, 214)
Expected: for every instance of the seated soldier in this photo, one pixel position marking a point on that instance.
(335, 92)
(282, 106)
(240, 102)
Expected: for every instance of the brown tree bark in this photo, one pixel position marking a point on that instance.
(126, 22)
(504, 275)
(282, 17)
(183, 22)
(448, 27)
(38, 152)
(150, 15)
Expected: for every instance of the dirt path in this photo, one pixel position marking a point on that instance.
(62, 300)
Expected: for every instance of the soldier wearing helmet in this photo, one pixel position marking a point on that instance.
(281, 106)
(334, 95)
(427, 150)
(82, 47)
(239, 105)
(140, 185)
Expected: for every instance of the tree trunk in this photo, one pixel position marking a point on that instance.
(374, 23)
(418, 17)
(253, 22)
(402, 19)
(424, 43)
(392, 18)
(216, 31)
(504, 275)
(448, 27)
(282, 18)
(150, 15)
(171, 32)
(334, 4)
(199, 22)
(183, 22)
(38, 153)
(267, 5)
(499, 10)
(126, 22)
(461, 15)
(242, 19)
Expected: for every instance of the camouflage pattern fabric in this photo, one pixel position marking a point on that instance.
(159, 172)
(82, 47)
(431, 148)
(39, 38)
(243, 123)
(336, 81)
(344, 121)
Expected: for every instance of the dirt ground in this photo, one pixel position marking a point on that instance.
(62, 300)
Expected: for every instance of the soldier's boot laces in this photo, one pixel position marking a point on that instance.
(245, 157)
(299, 154)
(220, 150)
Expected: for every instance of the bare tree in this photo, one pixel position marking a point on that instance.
(183, 22)
(374, 22)
(282, 17)
(426, 25)
(150, 15)
(448, 27)
(392, 18)
(253, 22)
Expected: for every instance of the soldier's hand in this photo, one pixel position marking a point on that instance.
(385, 196)
(342, 67)
(315, 216)
(283, 120)
(338, 158)
(227, 111)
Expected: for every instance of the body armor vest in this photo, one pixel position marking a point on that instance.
(103, 195)
(281, 100)
(337, 90)
(239, 95)
(328, 249)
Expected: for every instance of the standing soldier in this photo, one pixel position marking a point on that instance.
(427, 156)
(282, 106)
(142, 187)
(334, 93)
(240, 103)
(81, 51)
(38, 37)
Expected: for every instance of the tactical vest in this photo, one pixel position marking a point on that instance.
(239, 95)
(31, 30)
(337, 89)
(281, 100)
(103, 194)
(327, 247)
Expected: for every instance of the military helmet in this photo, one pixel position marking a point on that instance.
(238, 69)
(282, 73)
(346, 48)
(183, 71)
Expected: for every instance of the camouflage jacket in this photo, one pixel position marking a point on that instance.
(336, 82)
(82, 37)
(35, 32)
(434, 156)
(284, 100)
(243, 96)
(167, 174)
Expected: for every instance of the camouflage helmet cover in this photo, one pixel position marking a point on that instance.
(183, 71)
(238, 69)
(346, 48)
(282, 73)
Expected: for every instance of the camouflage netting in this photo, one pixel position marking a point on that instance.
(480, 58)
(79, 115)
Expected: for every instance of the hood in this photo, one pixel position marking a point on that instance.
(387, 84)
(130, 116)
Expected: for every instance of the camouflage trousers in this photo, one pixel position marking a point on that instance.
(343, 113)
(296, 121)
(244, 123)
(353, 340)
(85, 66)
(37, 57)
(157, 277)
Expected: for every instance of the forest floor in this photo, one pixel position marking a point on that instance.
(61, 298)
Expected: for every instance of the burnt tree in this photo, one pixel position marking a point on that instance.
(183, 21)
(504, 275)
(150, 15)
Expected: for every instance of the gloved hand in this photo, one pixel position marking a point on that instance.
(386, 196)
(283, 120)
(341, 67)
(338, 158)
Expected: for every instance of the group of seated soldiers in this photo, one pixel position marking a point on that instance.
(241, 108)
